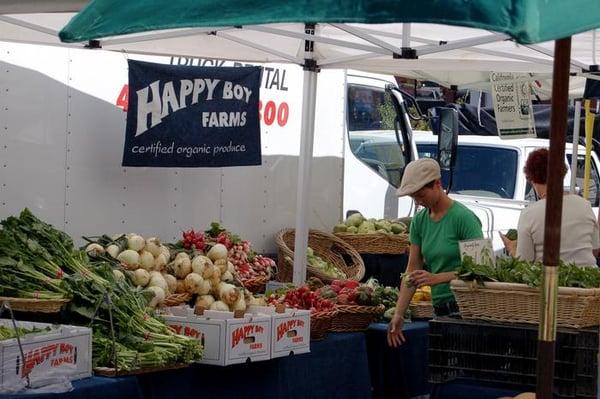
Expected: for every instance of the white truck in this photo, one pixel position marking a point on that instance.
(63, 132)
(488, 176)
(62, 136)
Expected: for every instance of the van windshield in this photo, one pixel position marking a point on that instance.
(479, 170)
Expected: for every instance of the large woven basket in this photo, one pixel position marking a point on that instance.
(177, 299)
(518, 303)
(377, 243)
(35, 305)
(421, 310)
(328, 247)
(255, 285)
(320, 324)
(355, 317)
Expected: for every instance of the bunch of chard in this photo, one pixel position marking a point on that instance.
(39, 261)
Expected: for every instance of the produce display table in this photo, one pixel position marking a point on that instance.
(460, 389)
(385, 268)
(93, 388)
(337, 367)
(400, 372)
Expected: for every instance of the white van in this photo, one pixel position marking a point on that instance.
(488, 176)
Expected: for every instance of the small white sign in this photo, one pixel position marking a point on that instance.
(512, 104)
(481, 251)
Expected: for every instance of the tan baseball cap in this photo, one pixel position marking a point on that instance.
(417, 174)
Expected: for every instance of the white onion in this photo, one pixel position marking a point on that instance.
(227, 276)
(199, 263)
(240, 304)
(157, 280)
(118, 274)
(205, 301)
(136, 242)
(140, 277)
(171, 282)
(94, 249)
(181, 267)
(218, 251)
(228, 293)
(219, 305)
(160, 262)
(146, 260)
(194, 284)
(222, 265)
(113, 250)
(165, 251)
(130, 258)
(153, 246)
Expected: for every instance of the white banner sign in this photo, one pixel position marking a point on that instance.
(512, 104)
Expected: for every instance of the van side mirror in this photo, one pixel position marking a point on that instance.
(444, 123)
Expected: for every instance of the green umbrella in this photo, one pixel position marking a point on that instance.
(527, 21)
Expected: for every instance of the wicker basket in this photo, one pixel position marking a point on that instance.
(355, 317)
(518, 303)
(177, 299)
(255, 285)
(421, 310)
(320, 324)
(325, 245)
(377, 243)
(35, 305)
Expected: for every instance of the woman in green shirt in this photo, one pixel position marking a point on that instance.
(434, 235)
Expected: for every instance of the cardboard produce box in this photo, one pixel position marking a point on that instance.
(62, 352)
(290, 330)
(226, 339)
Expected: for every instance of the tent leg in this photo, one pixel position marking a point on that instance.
(304, 173)
(554, 195)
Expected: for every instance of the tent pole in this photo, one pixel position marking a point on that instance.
(554, 195)
(309, 95)
(576, 127)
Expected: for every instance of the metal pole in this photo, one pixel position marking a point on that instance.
(554, 195)
(576, 127)
(304, 165)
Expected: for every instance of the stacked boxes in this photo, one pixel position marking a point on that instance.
(63, 351)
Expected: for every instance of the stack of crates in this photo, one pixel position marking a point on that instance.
(506, 354)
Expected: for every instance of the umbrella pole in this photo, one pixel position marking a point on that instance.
(554, 200)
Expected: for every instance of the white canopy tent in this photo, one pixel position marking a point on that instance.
(445, 54)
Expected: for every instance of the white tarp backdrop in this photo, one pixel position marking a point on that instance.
(446, 54)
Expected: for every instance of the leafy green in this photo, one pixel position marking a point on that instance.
(515, 270)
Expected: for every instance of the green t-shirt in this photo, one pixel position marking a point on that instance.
(439, 242)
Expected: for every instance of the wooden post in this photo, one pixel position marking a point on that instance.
(554, 201)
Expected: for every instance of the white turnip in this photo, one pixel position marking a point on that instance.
(130, 258)
(218, 251)
(136, 242)
(146, 260)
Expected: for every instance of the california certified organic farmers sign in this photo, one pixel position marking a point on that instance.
(512, 104)
(187, 116)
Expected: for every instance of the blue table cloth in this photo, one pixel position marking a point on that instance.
(385, 268)
(398, 372)
(337, 367)
(462, 389)
(94, 388)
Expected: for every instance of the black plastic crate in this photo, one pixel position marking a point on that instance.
(506, 353)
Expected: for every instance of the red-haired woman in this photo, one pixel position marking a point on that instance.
(579, 234)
